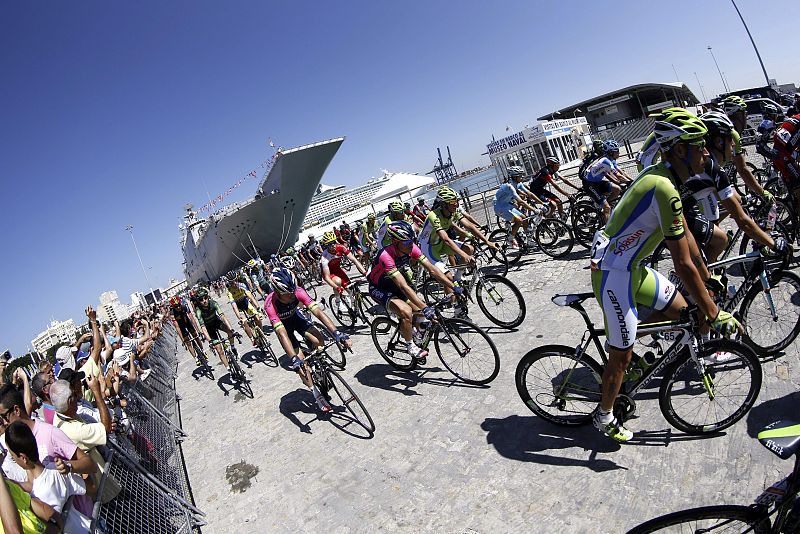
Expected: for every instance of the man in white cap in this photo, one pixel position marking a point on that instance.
(65, 358)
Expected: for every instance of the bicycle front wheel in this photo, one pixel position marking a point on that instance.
(763, 332)
(557, 386)
(724, 519)
(467, 351)
(386, 336)
(699, 404)
(349, 400)
(513, 250)
(586, 219)
(344, 314)
(501, 301)
(554, 237)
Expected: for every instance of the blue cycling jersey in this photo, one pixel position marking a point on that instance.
(599, 169)
(504, 195)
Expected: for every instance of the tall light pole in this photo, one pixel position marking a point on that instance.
(751, 41)
(702, 92)
(575, 113)
(724, 85)
(129, 228)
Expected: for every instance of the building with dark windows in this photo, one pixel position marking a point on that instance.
(623, 114)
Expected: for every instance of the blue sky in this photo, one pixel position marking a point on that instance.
(119, 113)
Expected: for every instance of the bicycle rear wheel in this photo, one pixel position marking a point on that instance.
(501, 301)
(724, 519)
(349, 399)
(764, 333)
(556, 386)
(698, 404)
(386, 337)
(466, 351)
(485, 256)
(586, 219)
(554, 237)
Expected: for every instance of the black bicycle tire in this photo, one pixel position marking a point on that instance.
(353, 398)
(745, 244)
(501, 280)
(340, 363)
(582, 232)
(392, 325)
(311, 290)
(236, 370)
(428, 295)
(334, 308)
(749, 299)
(754, 518)
(499, 236)
(548, 225)
(449, 323)
(529, 359)
(665, 395)
(495, 261)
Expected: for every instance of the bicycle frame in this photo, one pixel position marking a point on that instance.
(682, 329)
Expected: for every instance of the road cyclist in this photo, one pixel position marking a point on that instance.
(396, 213)
(389, 287)
(650, 211)
(507, 203)
(332, 272)
(736, 109)
(284, 309)
(605, 179)
(212, 320)
(546, 176)
(367, 236)
(185, 324)
(245, 307)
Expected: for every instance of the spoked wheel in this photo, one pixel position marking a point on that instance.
(764, 332)
(501, 301)
(725, 519)
(554, 237)
(311, 290)
(386, 336)
(349, 400)
(485, 256)
(467, 351)
(513, 251)
(556, 386)
(345, 316)
(699, 404)
(432, 291)
(336, 355)
(586, 220)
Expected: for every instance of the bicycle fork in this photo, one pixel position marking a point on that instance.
(694, 345)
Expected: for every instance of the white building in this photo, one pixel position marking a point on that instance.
(111, 309)
(332, 203)
(57, 332)
(137, 300)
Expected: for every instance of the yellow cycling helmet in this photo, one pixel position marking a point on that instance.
(328, 238)
(396, 207)
(677, 125)
(446, 195)
(732, 104)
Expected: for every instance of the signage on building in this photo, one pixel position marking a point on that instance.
(560, 124)
(534, 133)
(505, 143)
(660, 105)
(607, 103)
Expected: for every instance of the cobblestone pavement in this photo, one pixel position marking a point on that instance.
(452, 458)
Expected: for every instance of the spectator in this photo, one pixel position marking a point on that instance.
(65, 358)
(19, 512)
(91, 367)
(48, 485)
(40, 385)
(4, 359)
(54, 446)
(86, 435)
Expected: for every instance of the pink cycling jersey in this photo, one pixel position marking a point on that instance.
(385, 263)
(277, 311)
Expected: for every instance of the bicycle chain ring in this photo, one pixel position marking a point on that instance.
(624, 408)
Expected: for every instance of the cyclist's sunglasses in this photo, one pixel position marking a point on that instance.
(700, 143)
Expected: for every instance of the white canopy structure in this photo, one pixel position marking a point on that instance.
(399, 184)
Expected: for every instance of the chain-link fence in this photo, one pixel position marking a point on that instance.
(145, 471)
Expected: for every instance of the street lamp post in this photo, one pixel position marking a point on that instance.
(129, 228)
(724, 85)
(751, 41)
(701, 87)
(575, 113)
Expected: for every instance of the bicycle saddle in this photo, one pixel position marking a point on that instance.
(571, 298)
(781, 437)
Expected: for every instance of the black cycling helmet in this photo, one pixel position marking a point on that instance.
(400, 230)
(550, 160)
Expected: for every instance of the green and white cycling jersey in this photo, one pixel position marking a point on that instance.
(383, 239)
(649, 152)
(365, 229)
(737, 143)
(429, 240)
(649, 211)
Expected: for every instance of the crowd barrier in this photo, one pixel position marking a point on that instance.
(145, 466)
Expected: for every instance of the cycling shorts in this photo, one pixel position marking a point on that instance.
(438, 254)
(213, 327)
(598, 191)
(336, 270)
(544, 194)
(385, 292)
(186, 328)
(619, 292)
(507, 213)
(298, 323)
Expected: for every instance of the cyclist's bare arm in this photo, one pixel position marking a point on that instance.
(573, 186)
(357, 263)
(746, 223)
(744, 171)
(687, 268)
(325, 320)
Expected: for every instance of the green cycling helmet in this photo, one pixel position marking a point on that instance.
(446, 195)
(677, 125)
(396, 207)
(732, 104)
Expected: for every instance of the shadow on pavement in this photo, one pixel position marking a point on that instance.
(384, 376)
(299, 401)
(242, 386)
(203, 371)
(770, 411)
(256, 356)
(531, 439)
